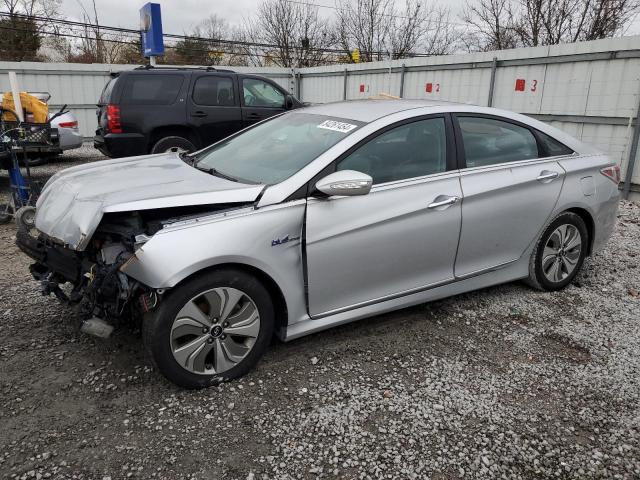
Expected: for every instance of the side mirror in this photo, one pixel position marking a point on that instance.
(288, 102)
(346, 183)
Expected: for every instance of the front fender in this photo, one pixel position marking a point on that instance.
(249, 238)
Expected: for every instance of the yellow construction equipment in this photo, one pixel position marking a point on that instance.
(35, 110)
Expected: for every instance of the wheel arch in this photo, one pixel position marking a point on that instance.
(279, 302)
(173, 130)
(587, 218)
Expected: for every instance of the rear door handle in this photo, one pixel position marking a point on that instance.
(199, 114)
(253, 116)
(547, 175)
(443, 201)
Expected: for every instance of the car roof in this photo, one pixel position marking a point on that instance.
(368, 110)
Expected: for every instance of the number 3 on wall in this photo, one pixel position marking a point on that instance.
(534, 85)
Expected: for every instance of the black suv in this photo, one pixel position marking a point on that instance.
(153, 110)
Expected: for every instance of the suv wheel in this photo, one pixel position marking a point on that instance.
(559, 254)
(212, 329)
(173, 144)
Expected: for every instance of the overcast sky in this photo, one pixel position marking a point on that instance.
(180, 16)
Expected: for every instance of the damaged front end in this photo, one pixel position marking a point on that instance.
(90, 221)
(98, 284)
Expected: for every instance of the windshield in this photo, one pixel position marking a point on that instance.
(273, 151)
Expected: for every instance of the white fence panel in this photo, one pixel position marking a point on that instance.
(589, 89)
(465, 85)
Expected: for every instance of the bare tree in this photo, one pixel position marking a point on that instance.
(491, 25)
(498, 24)
(365, 25)
(91, 42)
(295, 29)
(377, 28)
(424, 28)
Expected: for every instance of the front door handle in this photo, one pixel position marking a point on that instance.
(547, 175)
(253, 116)
(443, 201)
(199, 114)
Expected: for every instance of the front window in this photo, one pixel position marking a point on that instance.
(258, 93)
(411, 150)
(274, 150)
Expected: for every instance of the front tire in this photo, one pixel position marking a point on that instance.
(559, 253)
(173, 144)
(212, 329)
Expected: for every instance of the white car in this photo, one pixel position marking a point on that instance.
(68, 133)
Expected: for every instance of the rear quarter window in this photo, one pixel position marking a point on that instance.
(552, 147)
(153, 89)
(105, 96)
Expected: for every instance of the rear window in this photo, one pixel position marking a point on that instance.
(105, 96)
(488, 141)
(152, 89)
(214, 91)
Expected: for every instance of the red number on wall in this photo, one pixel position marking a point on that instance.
(429, 87)
(534, 86)
(520, 84)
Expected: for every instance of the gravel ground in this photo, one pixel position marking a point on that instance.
(502, 383)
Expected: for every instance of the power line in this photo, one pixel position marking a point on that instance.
(130, 42)
(341, 9)
(92, 26)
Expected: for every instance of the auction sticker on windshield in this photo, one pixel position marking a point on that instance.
(337, 126)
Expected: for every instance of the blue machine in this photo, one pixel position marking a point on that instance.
(151, 30)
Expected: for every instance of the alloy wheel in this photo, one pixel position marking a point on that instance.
(215, 331)
(561, 253)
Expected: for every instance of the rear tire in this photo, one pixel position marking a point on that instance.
(173, 144)
(559, 253)
(211, 329)
(26, 218)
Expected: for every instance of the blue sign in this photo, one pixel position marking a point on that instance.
(151, 30)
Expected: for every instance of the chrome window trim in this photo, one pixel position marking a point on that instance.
(503, 165)
(407, 182)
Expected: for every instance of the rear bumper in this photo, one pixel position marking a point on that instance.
(118, 145)
(69, 138)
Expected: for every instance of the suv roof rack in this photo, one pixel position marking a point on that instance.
(207, 69)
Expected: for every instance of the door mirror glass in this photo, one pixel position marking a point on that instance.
(345, 183)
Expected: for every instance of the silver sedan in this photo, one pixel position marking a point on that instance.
(315, 218)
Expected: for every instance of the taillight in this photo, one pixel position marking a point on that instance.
(612, 173)
(68, 124)
(113, 119)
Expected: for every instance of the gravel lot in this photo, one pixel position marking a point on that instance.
(502, 383)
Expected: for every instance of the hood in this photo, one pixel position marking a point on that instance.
(73, 201)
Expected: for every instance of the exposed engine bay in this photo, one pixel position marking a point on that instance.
(98, 283)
